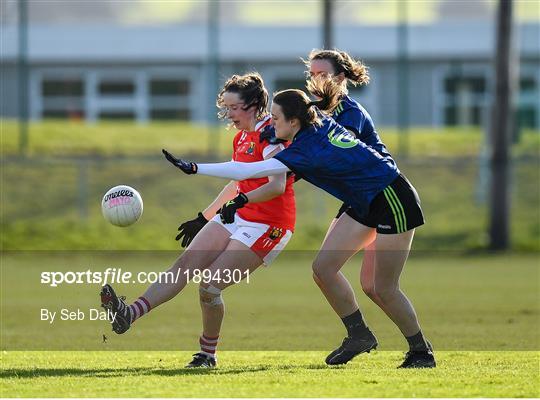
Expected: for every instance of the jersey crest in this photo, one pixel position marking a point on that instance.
(251, 148)
(247, 148)
(344, 140)
(274, 234)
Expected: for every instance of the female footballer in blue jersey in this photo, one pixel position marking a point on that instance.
(342, 68)
(383, 204)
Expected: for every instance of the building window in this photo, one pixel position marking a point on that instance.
(171, 114)
(116, 88)
(63, 98)
(527, 103)
(282, 84)
(62, 88)
(72, 114)
(465, 100)
(169, 87)
(117, 115)
(169, 99)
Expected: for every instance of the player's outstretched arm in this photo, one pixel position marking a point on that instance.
(237, 171)
(186, 167)
(240, 171)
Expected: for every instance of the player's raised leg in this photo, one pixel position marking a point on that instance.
(204, 249)
(391, 255)
(234, 264)
(367, 274)
(342, 242)
(345, 239)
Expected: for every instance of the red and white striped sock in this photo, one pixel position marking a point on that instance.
(208, 345)
(139, 307)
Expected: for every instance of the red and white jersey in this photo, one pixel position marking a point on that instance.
(281, 210)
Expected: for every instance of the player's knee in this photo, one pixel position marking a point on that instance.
(210, 295)
(385, 293)
(323, 274)
(320, 272)
(317, 280)
(369, 289)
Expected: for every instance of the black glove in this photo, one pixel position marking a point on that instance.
(189, 229)
(228, 209)
(186, 167)
(268, 133)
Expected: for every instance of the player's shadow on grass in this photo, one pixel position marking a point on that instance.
(50, 372)
(115, 372)
(232, 371)
(207, 371)
(235, 371)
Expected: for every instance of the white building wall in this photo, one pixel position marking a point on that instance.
(95, 52)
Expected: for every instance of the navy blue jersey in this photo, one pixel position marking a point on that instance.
(331, 158)
(351, 115)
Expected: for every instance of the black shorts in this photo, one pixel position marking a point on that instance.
(395, 210)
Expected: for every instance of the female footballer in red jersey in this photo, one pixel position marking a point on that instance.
(255, 221)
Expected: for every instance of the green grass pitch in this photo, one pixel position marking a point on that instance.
(482, 320)
(480, 310)
(266, 374)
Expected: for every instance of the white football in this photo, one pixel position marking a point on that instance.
(122, 205)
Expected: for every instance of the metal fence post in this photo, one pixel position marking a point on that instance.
(82, 183)
(22, 76)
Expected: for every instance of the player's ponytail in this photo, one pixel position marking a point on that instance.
(296, 104)
(327, 91)
(355, 71)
